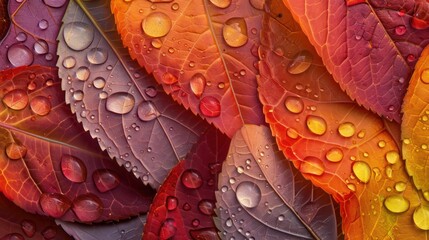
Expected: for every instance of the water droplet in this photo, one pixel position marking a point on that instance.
(210, 106)
(316, 125)
(82, 73)
(204, 233)
(346, 129)
(312, 165)
(13, 236)
(105, 180)
(78, 35)
(419, 24)
(16, 99)
(421, 217)
(19, 55)
(248, 194)
(88, 207)
(195, 223)
(147, 111)
(258, 4)
(425, 75)
(54, 204)
(197, 84)
(99, 83)
(352, 187)
(168, 229)
(300, 63)
(294, 104)
(41, 47)
(55, 3)
(362, 171)
(171, 203)
(21, 37)
(78, 95)
(381, 144)
(120, 103)
(411, 58)
(281, 218)
(389, 172)
(191, 179)
(156, 43)
(28, 227)
(400, 186)
(334, 155)
(400, 30)
(221, 3)
(69, 62)
(235, 32)
(102, 95)
(392, 157)
(396, 204)
(292, 133)
(228, 222)
(175, 6)
(73, 169)
(156, 24)
(49, 233)
(97, 56)
(169, 78)
(186, 207)
(40, 105)
(206, 207)
(43, 24)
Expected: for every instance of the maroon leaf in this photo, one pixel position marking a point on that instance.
(116, 101)
(31, 39)
(370, 47)
(184, 205)
(263, 196)
(4, 19)
(16, 224)
(49, 165)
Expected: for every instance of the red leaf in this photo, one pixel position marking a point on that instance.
(31, 39)
(184, 205)
(49, 165)
(370, 47)
(204, 54)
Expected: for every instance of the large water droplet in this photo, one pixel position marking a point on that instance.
(221, 3)
(78, 35)
(120, 103)
(421, 217)
(312, 165)
(294, 104)
(362, 171)
(156, 24)
(147, 111)
(197, 84)
(19, 55)
(396, 204)
(191, 179)
(248, 194)
(316, 125)
(16, 99)
(210, 106)
(171, 203)
(41, 47)
(28, 227)
(168, 229)
(40, 105)
(15, 151)
(105, 180)
(97, 56)
(206, 207)
(54, 204)
(88, 207)
(73, 168)
(235, 32)
(300, 63)
(346, 129)
(334, 155)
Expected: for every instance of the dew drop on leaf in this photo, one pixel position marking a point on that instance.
(105, 180)
(392, 157)
(400, 30)
(21, 37)
(54, 204)
(235, 32)
(15, 151)
(16, 99)
(43, 24)
(300, 63)
(147, 111)
(88, 207)
(19, 55)
(78, 95)
(82, 73)
(210, 106)
(99, 82)
(13, 236)
(248, 194)
(221, 3)
(156, 24)
(206, 207)
(396, 204)
(73, 169)
(40, 105)
(97, 56)
(69, 62)
(421, 217)
(362, 171)
(294, 104)
(425, 76)
(400, 186)
(312, 165)
(168, 229)
(49, 233)
(169, 78)
(78, 35)
(28, 227)
(346, 129)
(292, 133)
(156, 43)
(191, 179)
(334, 155)
(197, 84)
(41, 47)
(316, 125)
(419, 24)
(171, 203)
(258, 4)
(120, 103)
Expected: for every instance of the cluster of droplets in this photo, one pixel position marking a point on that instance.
(29, 229)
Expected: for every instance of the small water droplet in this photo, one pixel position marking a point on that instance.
(400, 186)
(156, 43)
(362, 171)
(147, 111)
(248, 194)
(281, 218)
(69, 62)
(83, 73)
(151, 92)
(396, 204)
(78, 95)
(175, 6)
(105, 180)
(43, 24)
(292, 133)
(54, 204)
(300, 63)
(156, 24)
(221, 3)
(312, 165)
(206, 207)
(169, 78)
(235, 32)
(197, 84)
(171, 203)
(19, 55)
(400, 30)
(411, 58)
(228, 222)
(346, 129)
(392, 157)
(40, 105)
(352, 187)
(424, 76)
(381, 144)
(28, 227)
(389, 172)
(97, 56)
(210, 106)
(21, 37)
(419, 24)
(334, 155)
(316, 125)
(16, 99)
(421, 217)
(168, 229)
(78, 35)
(99, 82)
(191, 179)
(120, 103)
(41, 47)
(88, 207)
(73, 169)
(294, 104)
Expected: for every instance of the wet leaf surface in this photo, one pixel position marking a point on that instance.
(370, 47)
(348, 151)
(184, 205)
(197, 53)
(4, 19)
(116, 101)
(124, 230)
(15, 223)
(49, 165)
(263, 196)
(31, 39)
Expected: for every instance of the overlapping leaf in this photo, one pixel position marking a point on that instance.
(116, 101)
(349, 152)
(262, 195)
(370, 47)
(196, 50)
(15, 223)
(49, 165)
(4, 19)
(31, 39)
(184, 205)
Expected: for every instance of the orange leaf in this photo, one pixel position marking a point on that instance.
(348, 151)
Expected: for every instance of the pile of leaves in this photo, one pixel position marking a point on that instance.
(209, 119)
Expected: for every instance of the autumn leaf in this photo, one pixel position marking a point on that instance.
(116, 101)
(49, 165)
(370, 47)
(344, 149)
(196, 53)
(184, 205)
(262, 195)
(31, 39)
